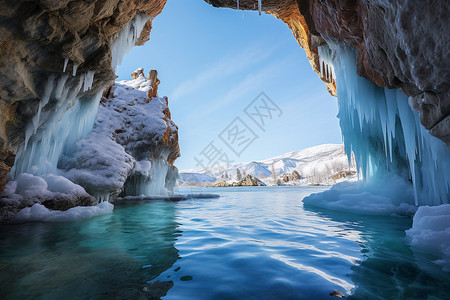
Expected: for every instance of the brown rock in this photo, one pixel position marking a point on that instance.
(137, 73)
(153, 76)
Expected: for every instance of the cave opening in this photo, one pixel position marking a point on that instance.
(214, 62)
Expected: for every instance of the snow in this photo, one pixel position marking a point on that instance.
(98, 163)
(391, 195)
(430, 233)
(40, 213)
(48, 186)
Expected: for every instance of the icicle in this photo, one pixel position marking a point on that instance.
(88, 80)
(60, 87)
(125, 39)
(237, 4)
(44, 100)
(259, 7)
(75, 67)
(66, 60)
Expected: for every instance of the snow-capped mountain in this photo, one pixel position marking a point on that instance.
(323, 164)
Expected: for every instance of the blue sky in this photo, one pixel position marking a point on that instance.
(212, 63)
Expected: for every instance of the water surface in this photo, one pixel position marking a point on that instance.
(252, 243)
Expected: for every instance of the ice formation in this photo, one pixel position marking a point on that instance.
(66, 114)
(66, 60)
(384, 133)
(74, 111)
(126, 38)
(430, 233)
(326, 63)
(259, 7)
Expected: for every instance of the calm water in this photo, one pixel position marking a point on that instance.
(252, 243)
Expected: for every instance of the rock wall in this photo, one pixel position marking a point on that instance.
(400, 44)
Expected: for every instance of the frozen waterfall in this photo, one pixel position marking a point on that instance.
(384, 133)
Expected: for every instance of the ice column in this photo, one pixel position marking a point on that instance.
(148, 179)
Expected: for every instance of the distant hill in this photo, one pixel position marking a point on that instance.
(324, 164)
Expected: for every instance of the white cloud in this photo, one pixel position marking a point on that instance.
(223, 67)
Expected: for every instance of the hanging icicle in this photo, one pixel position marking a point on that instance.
(237, 4)
(259, 7)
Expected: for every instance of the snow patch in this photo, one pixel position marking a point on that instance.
(39, 213)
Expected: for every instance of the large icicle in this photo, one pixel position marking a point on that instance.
(384, 133)
(126, 38)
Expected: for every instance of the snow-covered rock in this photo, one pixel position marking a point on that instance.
(132, 146)
(52, 191)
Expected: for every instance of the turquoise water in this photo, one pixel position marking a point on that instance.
(252, 243)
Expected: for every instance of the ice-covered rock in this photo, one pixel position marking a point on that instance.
(49, 191)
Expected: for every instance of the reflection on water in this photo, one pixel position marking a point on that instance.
(252, 243)
(109, 257)
(389, 268)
